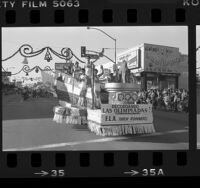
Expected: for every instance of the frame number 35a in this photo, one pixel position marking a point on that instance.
(152, 172)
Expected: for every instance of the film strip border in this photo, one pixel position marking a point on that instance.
(95, 164)
(112, 163)
(35, 16)
(103, 13)
(106, 16)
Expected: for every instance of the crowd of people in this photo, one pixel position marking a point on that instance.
(167, 99)
(28, 92)
(8, 89)
(25, 92)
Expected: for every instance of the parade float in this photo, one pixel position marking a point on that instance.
(117, 114)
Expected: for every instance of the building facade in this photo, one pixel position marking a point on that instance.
(156, 66)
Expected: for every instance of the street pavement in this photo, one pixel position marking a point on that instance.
(28, 125)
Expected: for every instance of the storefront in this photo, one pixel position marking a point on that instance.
(156, 66)
(149, 80)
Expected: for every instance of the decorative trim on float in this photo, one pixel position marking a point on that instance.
(120, 129)
(73, 116)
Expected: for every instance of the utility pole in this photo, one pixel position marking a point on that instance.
(93, 87)
(114, 39)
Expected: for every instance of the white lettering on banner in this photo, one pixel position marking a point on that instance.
(126, 109)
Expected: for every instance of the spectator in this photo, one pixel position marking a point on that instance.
(170, 99)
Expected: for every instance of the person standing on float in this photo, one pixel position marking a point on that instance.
(122, 71)
(82, 102)
(76, 71)
(97, 87)
(115, 77)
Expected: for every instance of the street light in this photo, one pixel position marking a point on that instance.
(115, 40)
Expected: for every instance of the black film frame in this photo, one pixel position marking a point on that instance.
(110, 13)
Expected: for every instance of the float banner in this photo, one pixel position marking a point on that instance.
(125, 119)
(116, 109)
(122, 114)
(117, 119)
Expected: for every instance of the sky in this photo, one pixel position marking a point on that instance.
(198, 44)
(75, 37)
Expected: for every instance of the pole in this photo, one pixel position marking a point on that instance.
(93, 99)
(109, 37)
(117, 74)
(91, 66)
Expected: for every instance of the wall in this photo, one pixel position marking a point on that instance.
(161, 59)
(183, 78)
